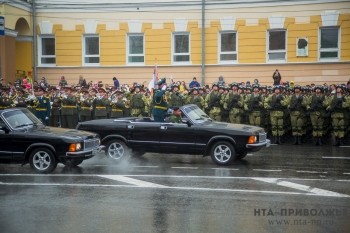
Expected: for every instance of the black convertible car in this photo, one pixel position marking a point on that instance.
(23, 139)
(197, 134)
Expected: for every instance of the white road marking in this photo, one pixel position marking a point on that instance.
(312, 172)
(132, 181)
(325, 157)
(184, 167)
(176, 188)
(316, 191)
(344, 146)
(266, 170)
(309, 191)
(225, 169)
(146, 166)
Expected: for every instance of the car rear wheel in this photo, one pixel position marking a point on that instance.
(42, 160)
(117, 150)
(223, 153)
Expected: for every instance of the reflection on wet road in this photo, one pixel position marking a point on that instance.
(279, 189)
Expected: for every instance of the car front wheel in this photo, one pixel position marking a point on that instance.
(223, 153)
(117, 150)
(42, 160)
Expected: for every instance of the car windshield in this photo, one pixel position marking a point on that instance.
(196, 114)
(21, 118)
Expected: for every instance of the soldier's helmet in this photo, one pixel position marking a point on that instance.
(255, 86)
(215, 84)
(297, 87)
(318, 87)
(221, 86)
(234, 84)
(194, 89)
(277, 87)
(161, 81)
(341, 86)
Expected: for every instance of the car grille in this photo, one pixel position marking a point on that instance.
(262, 137)
(91, 143)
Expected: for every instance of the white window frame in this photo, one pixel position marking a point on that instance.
(97, 55)
(135, 55)
(180, 54)
(329, 49)
(223, 53)
(40, 51)
(268, 51)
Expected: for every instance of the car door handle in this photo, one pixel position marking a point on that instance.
(130, 127)
(164, 127)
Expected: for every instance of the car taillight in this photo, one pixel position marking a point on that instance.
(252, 140)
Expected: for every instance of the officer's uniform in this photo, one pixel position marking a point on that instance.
(69, 112)
(160, 106)
(43, 109)
(118, 105)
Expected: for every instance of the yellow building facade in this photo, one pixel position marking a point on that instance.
(308, 43)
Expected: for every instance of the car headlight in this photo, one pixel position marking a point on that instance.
(252, 139)
(74, 147)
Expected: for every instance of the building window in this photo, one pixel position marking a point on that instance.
(228, 47)
(181, 48)
(276, 50)
(136, 48)
(91, 50)
(47, 50)
(329, 43)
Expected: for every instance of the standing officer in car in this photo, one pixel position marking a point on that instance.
(160, 106)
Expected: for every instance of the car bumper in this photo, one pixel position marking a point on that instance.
(85, 154)
(259, 145)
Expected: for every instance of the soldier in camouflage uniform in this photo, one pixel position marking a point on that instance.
(234, 103)
(276, 103)
(339, 109)
(297, 108)
(138, 103)
(213, 103)
(254, 104)
(195, 98)
(316, 106)
(175, 97)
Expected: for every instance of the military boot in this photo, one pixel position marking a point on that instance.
(295, 140)
(299, 140)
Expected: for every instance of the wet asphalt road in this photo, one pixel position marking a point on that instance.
(283, 188)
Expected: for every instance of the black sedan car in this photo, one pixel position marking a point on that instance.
(24, 139)
(197, 134)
